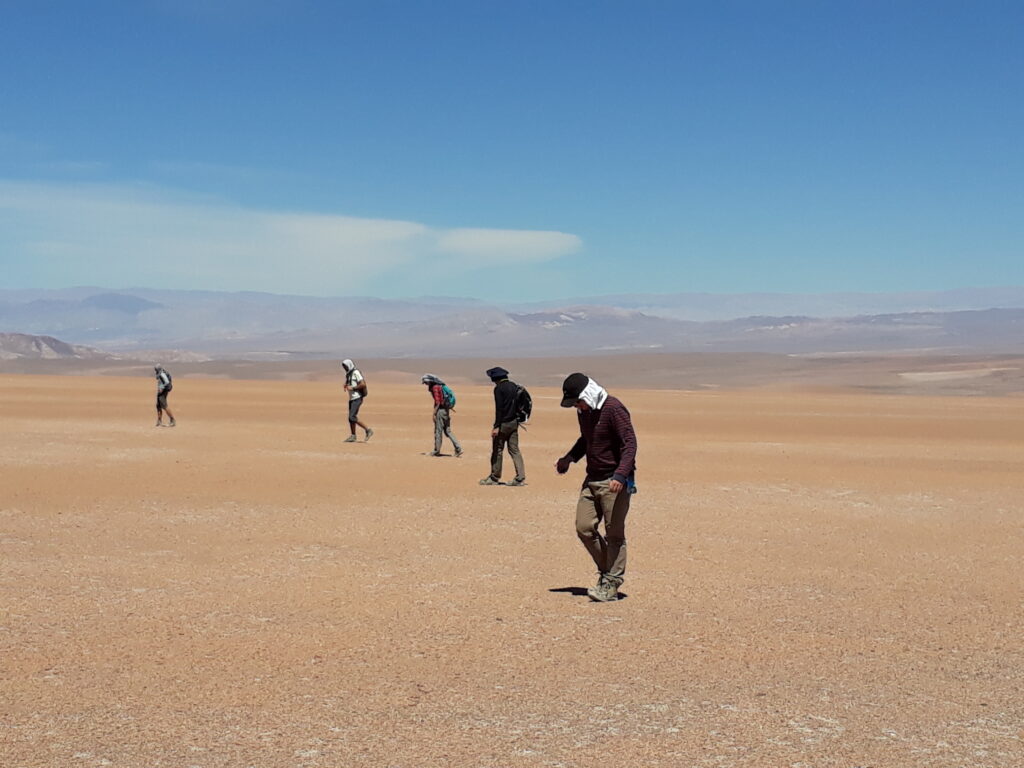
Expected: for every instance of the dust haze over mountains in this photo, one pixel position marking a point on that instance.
(262, 326)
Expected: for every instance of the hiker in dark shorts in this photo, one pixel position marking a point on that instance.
(506, 428)
(163, 388)
(608, 441)
(355, 385)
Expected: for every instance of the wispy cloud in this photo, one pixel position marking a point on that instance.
(55, 235)
(490, 244)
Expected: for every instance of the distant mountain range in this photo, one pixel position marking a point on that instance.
(16, 346)
(145, 323)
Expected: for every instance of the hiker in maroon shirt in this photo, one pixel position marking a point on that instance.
(609, 443)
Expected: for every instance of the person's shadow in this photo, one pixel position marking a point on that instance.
(581, 591)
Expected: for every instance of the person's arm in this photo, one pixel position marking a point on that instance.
(577, 452)
(497, 411)
(623, 426)
(437, 392)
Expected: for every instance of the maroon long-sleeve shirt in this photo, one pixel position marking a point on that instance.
(608, 441)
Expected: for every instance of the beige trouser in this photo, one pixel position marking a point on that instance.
(443, 428)
(597, 503)
(508, 434)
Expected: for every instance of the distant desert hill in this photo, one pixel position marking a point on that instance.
(14, 346)
(194, 325)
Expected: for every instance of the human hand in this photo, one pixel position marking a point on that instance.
(494, 432)
(562, 465)
(614, 486)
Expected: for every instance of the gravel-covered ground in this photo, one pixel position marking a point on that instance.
(816, 579)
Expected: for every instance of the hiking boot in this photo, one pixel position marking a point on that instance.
(349, 439)
(517, 481)
(173, 423)
(435, 453)
(458, 453)
(158, 424)
(369, 434)
(489, 481)
(606, 591)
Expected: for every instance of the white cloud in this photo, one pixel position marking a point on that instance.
(54, 235)
(498, 244)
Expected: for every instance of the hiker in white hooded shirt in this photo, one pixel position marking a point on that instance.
(355, 385)
(163, 389)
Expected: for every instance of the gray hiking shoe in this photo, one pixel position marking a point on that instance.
(349, 439)
(606, 591)
(435, 453)
(369, 434)
(517, 482)
(489, 481)
(458, 453)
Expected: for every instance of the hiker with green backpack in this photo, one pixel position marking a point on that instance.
(444, 404)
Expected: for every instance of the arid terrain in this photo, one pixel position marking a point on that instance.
(818, 577)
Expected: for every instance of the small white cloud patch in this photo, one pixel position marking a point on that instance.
(497, 244)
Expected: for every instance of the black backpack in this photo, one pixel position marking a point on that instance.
(524, 404)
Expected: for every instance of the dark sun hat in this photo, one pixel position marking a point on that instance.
(572, 388)
(496, 373)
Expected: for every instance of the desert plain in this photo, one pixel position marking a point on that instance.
(817, 577)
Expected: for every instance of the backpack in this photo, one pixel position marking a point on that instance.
(165, 380)
(524, 405)
(447, 397)
(361, 387)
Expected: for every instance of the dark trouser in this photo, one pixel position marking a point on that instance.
(161, 400)
(353, 409)
(508, 434)
(597, 503)
(443, 428)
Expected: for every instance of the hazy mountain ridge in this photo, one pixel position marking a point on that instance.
(192, 324)
(24, 346)
(703, 307)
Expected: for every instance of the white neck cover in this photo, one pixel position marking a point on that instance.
(594, 395)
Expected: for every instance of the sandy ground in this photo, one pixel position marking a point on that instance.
(918, 373)
(816, 579)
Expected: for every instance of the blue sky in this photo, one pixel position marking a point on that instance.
(514, 150)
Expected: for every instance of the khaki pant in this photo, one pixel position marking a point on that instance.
(508, 434)
(597, 503)
(443, 428)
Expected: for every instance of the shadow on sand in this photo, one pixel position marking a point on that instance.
(581, 591)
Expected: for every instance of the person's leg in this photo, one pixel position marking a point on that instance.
(170, 416)
(513, 450)
(358, 423)
(614, 508)
(497, 453)
(588, 515)
(353, 419)
(438, 429)
(450, 434)
(161, 401)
